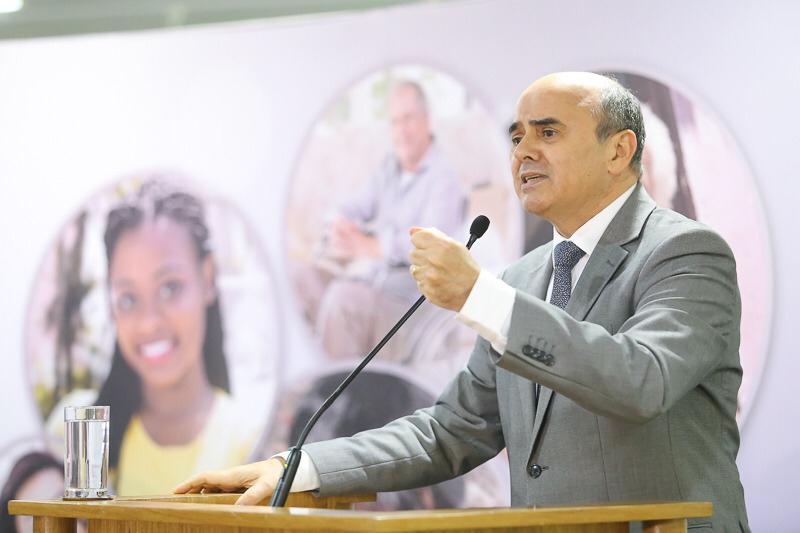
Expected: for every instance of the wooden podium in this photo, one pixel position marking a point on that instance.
(206, 513)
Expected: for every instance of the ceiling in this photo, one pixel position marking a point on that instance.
(40, 18)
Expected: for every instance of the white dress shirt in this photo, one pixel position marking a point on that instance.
(306, 477)
(490, 303)
(489, 306)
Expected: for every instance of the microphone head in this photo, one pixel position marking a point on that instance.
(479, 226)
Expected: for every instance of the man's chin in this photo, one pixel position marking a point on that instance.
(410, 157)
(534, 205)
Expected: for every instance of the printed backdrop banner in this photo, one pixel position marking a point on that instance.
(205, 228)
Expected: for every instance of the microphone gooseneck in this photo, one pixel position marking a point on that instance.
(476, 231)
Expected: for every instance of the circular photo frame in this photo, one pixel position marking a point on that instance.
(402, 392)
(405, 145)
(29, 471)
(693, 165)
(157, 299)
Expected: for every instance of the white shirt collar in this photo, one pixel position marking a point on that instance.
(588, 235)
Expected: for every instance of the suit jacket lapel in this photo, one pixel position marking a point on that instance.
(604, 261)
(606, 258)
(609, 253)
(536, 285)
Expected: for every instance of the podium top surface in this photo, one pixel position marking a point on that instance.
(172, 510)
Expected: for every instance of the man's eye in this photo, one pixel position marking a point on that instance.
(516, 140)
(170, 289)
(549, 132)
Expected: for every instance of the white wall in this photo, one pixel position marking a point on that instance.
(231, 105)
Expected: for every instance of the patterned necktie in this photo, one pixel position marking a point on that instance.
(565, 256)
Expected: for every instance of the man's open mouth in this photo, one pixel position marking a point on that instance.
(531, 177)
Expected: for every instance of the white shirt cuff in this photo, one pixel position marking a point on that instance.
(306, 477)
(488, 309)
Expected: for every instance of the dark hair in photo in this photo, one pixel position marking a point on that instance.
(359, 409)
(26, 467)
(669, 106)
(122, 389)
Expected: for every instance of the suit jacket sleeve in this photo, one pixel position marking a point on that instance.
(684, 316)
(459, 432)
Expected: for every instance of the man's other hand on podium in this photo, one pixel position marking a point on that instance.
(258, 478)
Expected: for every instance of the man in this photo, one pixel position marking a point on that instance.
(659, 175)
(368, 238)
(608, 361)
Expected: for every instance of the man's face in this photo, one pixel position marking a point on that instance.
(411, 133)
(558, 165)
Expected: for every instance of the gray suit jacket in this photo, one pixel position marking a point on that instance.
(639, 380)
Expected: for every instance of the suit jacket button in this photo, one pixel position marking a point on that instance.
(527, 350)
(535, 470)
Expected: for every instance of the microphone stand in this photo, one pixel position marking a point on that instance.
(293, 461)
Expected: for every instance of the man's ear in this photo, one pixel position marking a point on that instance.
(209, 272)
(622, 146)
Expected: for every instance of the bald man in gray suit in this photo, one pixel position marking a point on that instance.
(607, 363)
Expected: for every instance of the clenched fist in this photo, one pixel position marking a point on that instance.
(443, 268)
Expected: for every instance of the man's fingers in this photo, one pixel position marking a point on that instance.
(416, 272)
(213, 481)
(192, 485)
(424, 238)
(417, 257)
(255, 494)
(347, 229)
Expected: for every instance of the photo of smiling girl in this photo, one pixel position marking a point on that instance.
(158, 302)
(168, 385)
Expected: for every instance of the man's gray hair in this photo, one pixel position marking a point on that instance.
(617, 110)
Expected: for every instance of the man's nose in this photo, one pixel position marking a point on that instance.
(527, 149)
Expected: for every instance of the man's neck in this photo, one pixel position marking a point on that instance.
(412, 166)
(588, 211)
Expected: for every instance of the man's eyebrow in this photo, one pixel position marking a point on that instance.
(549, 121)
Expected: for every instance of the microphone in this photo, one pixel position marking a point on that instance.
(476, 231)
